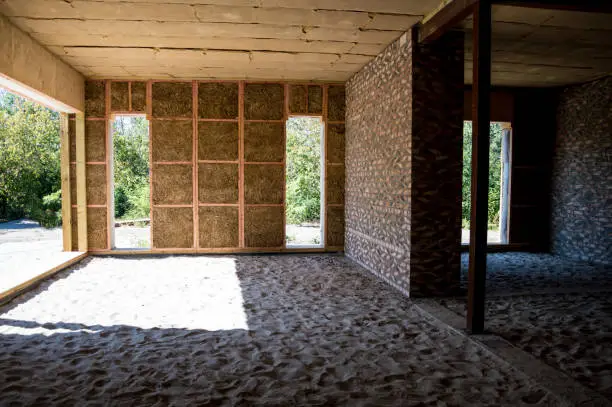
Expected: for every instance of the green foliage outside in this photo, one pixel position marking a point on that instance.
(303, 170)
(131, 169)
(30, 182)
(495, 168)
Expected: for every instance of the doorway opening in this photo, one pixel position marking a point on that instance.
(304, 180)
(131, 190)
(499, 183)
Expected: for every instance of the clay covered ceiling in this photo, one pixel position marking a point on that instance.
(276, 39)
(296, 39)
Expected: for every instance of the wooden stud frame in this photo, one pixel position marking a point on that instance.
(65, 176)
(196, 204)
(81, 183)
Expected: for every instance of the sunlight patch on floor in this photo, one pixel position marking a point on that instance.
(179, 292)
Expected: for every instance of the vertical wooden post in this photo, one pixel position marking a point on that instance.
(65, 175)
(241, 242)
(195, 183)
(481, 87)
(323, 216)
(81, 182)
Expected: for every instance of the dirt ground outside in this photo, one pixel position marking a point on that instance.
(28, 250)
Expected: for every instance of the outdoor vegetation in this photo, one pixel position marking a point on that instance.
(495, 167)
(30, 183)
(131, 169)
(303, 170)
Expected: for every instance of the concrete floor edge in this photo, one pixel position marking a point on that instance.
(567, 390)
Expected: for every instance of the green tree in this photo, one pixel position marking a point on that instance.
(131, 167)
(29, 159)
(495, 167)
(303, 170)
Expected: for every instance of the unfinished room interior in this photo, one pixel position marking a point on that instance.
(331, 202)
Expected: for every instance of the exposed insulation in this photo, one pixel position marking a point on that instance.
(335, 103)
(172, 228)
(72, 136)
(172, 99)
(335, 226)
(95, 140)
(172, 184)
(96, 184)
(264, 142)
(75, 229)
(95, 105)
(335, 143)
(120, 98)
(263, 226)
(298, 95)
(264, 184)
(218, 226)
(97, 228)
(218, 183)
(218, 141)
(218, 100)
(315, 99)
(139, 96)
(264, 101)
(335, 184)
(171, 140)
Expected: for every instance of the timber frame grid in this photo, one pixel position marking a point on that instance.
(196, 203)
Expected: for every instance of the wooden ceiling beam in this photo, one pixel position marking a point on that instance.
(444, 18)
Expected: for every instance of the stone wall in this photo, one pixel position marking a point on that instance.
(581, 222)
(437, 136)
(378, 164)
(403, 165)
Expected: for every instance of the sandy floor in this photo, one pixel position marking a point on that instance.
(240, 331)
(558, 310)
(28, 250)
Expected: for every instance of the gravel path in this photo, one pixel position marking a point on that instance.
(240, 331)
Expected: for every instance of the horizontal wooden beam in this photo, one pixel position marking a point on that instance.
(449, 15)
(589, 6)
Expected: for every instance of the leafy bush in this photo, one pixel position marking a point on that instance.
(131, 167)
(140, 204)
(29, 156)
(122, 202)
(495, 167)
(49, 213)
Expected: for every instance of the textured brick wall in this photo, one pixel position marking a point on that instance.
(403, 165)
(378, 160)
(437, 136)
(581, 223)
